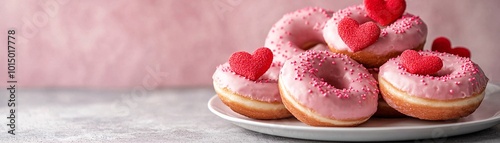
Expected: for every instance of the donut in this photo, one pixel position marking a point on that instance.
(350, 31)
(254, 98)
(386, 111)
(297, 32)
(321, 88)
(453, 90)
(383, 109)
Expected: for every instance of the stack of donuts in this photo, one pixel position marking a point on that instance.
(368, 60)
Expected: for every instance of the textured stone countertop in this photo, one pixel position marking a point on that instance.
(173, 115)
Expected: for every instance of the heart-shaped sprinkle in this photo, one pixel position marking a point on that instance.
(357, 37)
(385, 12)
(442, 44)
(251, 66)
(415, 63)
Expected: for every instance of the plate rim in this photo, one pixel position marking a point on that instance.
(234, 120)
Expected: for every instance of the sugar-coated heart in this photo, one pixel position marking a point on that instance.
(415, 63)
(385, 12)
(357, 36)
(442, 44)
(251, 66)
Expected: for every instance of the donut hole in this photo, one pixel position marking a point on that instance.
(313, 40)
(309, 45)
(318, 46)
(362, 20)
(332, 75)
(336, 83)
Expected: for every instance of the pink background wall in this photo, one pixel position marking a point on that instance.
(172, 43)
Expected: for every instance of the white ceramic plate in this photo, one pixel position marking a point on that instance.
(375, 129)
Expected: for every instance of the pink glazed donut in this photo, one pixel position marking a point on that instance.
(455, 91)
(321, 88)
(296, 32)
(408, 32)
(258, 99)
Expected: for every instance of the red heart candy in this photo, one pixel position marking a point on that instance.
(414, 63)
(385, 12)
(442, 44)
(251, 66)
(356, 36)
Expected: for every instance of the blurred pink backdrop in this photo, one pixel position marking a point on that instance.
(121, 44)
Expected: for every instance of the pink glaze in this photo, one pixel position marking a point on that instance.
(407, 32)
(459, 78)
(333, 85)
(295, 31)
(263, 89)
